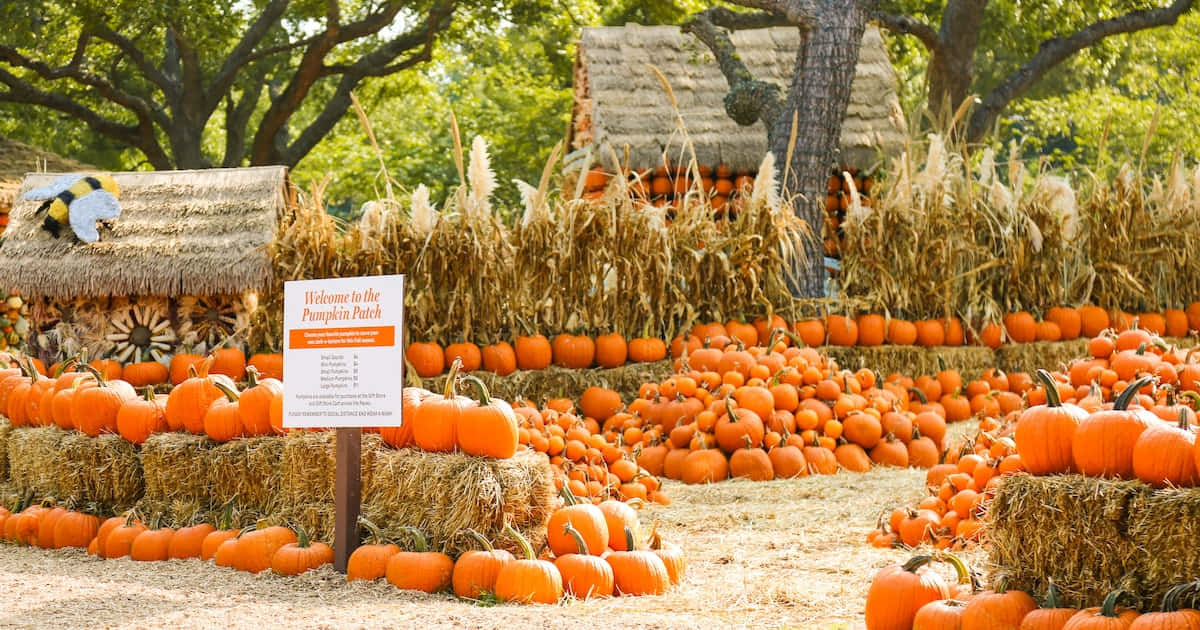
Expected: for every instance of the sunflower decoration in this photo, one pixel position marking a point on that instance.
(210, 320)
(141, 331)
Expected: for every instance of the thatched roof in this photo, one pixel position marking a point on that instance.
(18, 158)
(180, 233)
(620, 103)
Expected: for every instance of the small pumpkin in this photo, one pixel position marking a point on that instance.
(586, 519)
(1170, 615)
(427, 358)
(1051, 616)
(669, 553)
(637, 571)
(189, 401)
(229, 361)
(476, 571)
(584, 575)
(941, 614)
(223, 420)
(500, 359)
(1107, 616)
(94, 409)
(533, 352)
(1165, 455)
(146, 373)
(573, 351)
(420, 569)
(255, 549)
(269, 365)
(188, 542)
(153, 544)
(301, 556)
(435, 420)
(139, 418)
(1000, 608)
(528, 579)
(369, 562)
(467, 354)
(75, 529)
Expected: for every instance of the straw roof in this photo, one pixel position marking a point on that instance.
(180, 233)
(18, 158)
(620, 103)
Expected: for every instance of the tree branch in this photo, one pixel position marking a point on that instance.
(748, 99)
(20, 91)
(909, 25)
(741, 21)
(801, 13)
(243, 53)
(237, 118)
(135, 54)
(376, 63)
(74, 70)
(312, 65)
(1054, 51)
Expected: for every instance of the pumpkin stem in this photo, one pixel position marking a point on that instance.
(100, 380)
(62, 367)
(302, 540)
(524, 544)
(420, 544)
(729, 409)
(226, 521)
(485, 397)
(1126, 397)
(479, 538)
(33, 373)
(630, 542)
(795, 338)
(452, 378)
(230, 394)
(580, 543)
(1052, 397)
(1171, 600)
(568, 496)
(920, 395)
(916, 562)
(192, 373)
(373, 529)
(1109, 607)
(1184, 424)
(749, 444)
(206, 364)
(251, 376)
(148, 393)
(1195, 398)
(960, 567)
(941, 363)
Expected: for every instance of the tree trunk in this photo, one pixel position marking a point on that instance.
(952, 61)
(819, 95)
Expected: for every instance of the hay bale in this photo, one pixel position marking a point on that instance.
(556, 382)
(1069, 528)
(1049, 355)
(970, 361)
(308, 467)
(443, 494)
(176, 468)
(188, 475)
(1164, 524)
(5, 431)
(70, 466)
(32, 453)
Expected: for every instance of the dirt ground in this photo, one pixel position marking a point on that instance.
(775, 554)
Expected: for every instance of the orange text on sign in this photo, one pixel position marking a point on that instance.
(360, 337)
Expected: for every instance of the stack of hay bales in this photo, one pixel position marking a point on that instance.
(970, 361)
(70, 467)
(5, 432)
(308, 468)
(1091, 536)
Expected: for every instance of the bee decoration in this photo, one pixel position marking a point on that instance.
(79, 200)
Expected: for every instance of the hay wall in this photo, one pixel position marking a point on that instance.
(104, 473)
(1092, 536)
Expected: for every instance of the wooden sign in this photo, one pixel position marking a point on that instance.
(343, 360)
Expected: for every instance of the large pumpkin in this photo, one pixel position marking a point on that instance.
(897, 592)
(1104, 441)
(1045, 433)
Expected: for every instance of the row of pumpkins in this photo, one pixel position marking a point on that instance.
(612, 350)
(914, 596)
(596, 552)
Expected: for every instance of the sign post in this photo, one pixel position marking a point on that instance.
(343, 355)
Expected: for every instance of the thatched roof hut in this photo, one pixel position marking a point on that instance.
(17, 159)
(620, 103)
(180, 233)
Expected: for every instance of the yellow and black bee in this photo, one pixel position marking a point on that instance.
(79, 200)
